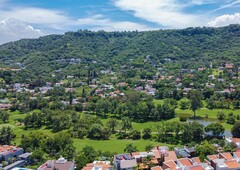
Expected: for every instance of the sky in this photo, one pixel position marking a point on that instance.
(34, 18)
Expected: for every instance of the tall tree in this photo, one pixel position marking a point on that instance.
(215, 128)
(195, 99)
(236, 130)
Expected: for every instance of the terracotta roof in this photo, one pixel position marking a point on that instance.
(156, 168)
(170, 164)
(154, 161)
(232, 164)
(156, 153)
(226, 155)
(229, 65)
(185, 162)
(196, 167)
(86, 168)
(212, 157)
(171, 156)
(235, 140)
(196, 159)
(135, 153)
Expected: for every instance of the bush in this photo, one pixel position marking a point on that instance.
(146, 133)
(135, 134)
(183, 118)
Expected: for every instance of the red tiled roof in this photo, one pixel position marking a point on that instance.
(170, 164)
(226, 155)
(197, 167)
(171, 156)
(212, 157)
(156, 168)
(185, 162)
(196, 159)
(232, 164)
(237, 154)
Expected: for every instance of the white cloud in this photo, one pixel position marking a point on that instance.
(225, 20)
(13, 29)
(232, 4)
(165, 12)
(201, 2)
(99, 22)
(52, 18)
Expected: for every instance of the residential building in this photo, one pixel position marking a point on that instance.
(60, 164)
(98, 165)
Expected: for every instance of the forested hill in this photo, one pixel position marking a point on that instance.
(117, 48)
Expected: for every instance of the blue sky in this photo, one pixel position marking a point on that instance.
(34, 18)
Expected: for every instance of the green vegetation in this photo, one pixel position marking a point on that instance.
(97, 92)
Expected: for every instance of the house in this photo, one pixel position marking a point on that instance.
(60, 164)
(236, 141)
(226, 155)
(156, 168)
(180, 152)
(5, 106)
(236, 156)
(221, 164)
(9, 152)
(124, 161)
(14, 156)
(171, 165)
(201, 69)
(211, 77)
(184, 162)
(229, 66)
(98, 165)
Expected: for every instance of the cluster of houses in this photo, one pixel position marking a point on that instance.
(158, 158)
(161, 158)
(12, 157)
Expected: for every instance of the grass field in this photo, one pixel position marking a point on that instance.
(114, 144)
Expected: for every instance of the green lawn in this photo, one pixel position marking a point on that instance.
(212, 114)
(114, 145)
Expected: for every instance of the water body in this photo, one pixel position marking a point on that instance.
(205, 123)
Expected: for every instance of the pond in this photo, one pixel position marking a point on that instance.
(203, 122)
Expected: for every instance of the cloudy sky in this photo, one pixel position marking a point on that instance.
(34, 18)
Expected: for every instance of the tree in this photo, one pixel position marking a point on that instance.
(4, 116)
(195, 100)
(149, 147)
(231, 118)
(135, 134)
(221, 115)
(184, 103)
(215, 128)
(95, 132)
(62, 145)
(112, 123)
(81, 160)
(205, 149)
(126, 124)
(89, 153)
(37, 155)
(6, 135)
(130, 148)
(197, 131)
(33, 141)
(146, 133)
(236, 130)
(34, 120)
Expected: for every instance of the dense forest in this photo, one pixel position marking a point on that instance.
(114, 49)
